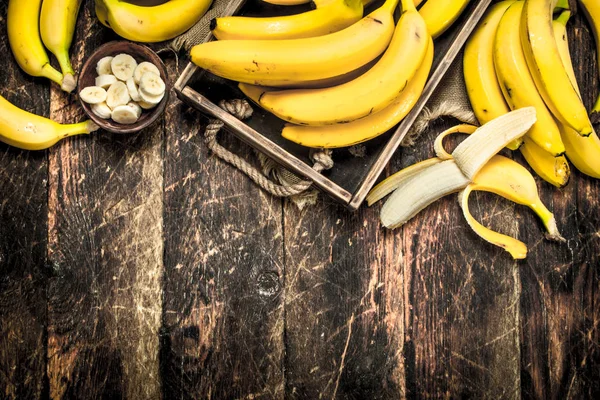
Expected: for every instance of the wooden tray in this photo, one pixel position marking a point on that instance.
(351, 178)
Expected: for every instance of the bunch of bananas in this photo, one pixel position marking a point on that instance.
(337, 77)
(33, 24)
(519, 57)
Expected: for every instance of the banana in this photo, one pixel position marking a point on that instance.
(350, 133)
(546, 66)
(93, 94)
(591, 9)
(117, 95)
(517, 84)
(152, 84)
(123, 66)
(28, 131)
(104, 66)
(329, 18)
(273, 62)
(482, 85)
(133, 89)
(554, 170)
(23, 18)
(124, 114)
(151, 24)
(104, 81)
(57, 25)
(102, 110)
(439, 15)
(369, 93)
(507, 178)
(583, 152)
(142, 68)
(287, 2)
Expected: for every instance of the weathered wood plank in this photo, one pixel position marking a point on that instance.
(462, 337)
(222, 334)
(23, 222)
(560, 282)
(344, 305)
(105, 249)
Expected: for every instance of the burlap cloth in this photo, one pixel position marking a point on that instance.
(449, 100)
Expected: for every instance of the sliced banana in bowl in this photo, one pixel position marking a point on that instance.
(124, 87)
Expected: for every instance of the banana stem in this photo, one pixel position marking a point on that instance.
(548, 220)
(49, 72)
(80, 128)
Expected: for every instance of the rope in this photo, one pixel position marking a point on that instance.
(242, 110)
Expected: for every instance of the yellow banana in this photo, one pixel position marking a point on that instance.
(350, 133)
(543, 58)
(57, 25)
(483, 89)
(369, 93)
(517, 84)
(583, 152)
(23, 21)
(287, 2)
(326, 19)
(273, 62)
(151, 24)
(554, 170)
(591, 9)
(28, 131)
(439, 15)
(507, 178)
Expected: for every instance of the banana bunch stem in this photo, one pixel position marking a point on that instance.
(472, 166)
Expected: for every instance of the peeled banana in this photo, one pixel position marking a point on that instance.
(281, 62)
(28, 131)
(550, 77)
(367, 94)
(328, 18)
(151, 24)
(23, 20)
(57, 25)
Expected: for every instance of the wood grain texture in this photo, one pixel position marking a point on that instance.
(222, 334)
(344, 305)
(105, 249)
(23, 222)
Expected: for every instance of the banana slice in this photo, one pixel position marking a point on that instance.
(124, 115)
(93, 94)
(105, 81)
(103, 67)
(136, 108)
(142, 69)
(123, 66)
(102, 110)
(133, 89)
(145, 105)
(150, 99)
(152, 84)
(117, 95)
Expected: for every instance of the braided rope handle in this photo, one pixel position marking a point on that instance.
(242, 110)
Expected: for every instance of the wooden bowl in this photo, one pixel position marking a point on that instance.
(88, 74)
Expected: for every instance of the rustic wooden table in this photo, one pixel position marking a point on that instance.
(141, 266)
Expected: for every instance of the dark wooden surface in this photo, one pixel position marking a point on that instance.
(142, 267)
